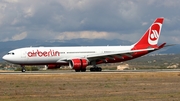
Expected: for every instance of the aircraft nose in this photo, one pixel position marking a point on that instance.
(6, 58)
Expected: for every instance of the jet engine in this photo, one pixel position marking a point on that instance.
(78, 64)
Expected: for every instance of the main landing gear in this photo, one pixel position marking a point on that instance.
(95, 68)
(23, 68)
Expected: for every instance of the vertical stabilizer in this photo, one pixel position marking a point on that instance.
(151, 37)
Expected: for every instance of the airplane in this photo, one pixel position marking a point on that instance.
(79, 57)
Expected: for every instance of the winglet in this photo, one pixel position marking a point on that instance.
(151, 36)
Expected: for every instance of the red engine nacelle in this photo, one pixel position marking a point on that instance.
(51, 66)
(78, 64)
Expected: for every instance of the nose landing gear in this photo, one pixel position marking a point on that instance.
(23, 68)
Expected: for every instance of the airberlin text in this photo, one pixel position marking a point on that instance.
(38, 53)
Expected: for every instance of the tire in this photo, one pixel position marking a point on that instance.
(23, 70)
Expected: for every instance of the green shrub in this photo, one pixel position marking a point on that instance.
(29, 68)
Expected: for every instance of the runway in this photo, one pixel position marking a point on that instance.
(111, 84)
(88, 72)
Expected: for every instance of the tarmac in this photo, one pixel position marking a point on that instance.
(88, 72)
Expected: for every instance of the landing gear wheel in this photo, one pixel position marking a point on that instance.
(23, 70)
(96, 69)
(92, 69)
(100, 69)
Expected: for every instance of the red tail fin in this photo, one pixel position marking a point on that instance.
(151, 37)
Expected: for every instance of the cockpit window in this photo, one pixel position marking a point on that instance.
(10, 53)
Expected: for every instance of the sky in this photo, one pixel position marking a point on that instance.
(92, 19)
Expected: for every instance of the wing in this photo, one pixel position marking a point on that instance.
(111, 55)
(119, 54)
(101, 56)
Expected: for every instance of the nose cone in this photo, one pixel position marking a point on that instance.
(11, 58)
(8, 58)
(4, 57)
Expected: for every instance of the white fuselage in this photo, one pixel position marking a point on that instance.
(46, 55)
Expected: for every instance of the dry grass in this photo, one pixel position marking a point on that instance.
(150, 86)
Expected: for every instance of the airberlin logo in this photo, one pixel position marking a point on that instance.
(37, 53)
(154, 33)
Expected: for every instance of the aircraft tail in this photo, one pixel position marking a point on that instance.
(151, 37)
